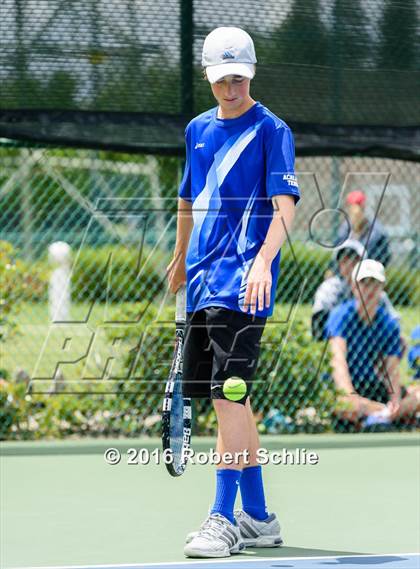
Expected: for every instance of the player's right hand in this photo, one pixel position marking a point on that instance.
(176, 272)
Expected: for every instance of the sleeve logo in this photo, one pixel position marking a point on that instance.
(290, 179)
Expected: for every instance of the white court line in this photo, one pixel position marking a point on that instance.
(210, 560)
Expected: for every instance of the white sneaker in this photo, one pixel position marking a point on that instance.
(217, 537)
(255, 533)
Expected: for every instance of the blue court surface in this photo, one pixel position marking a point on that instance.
(397, 561)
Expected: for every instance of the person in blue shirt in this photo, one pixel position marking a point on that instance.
(336, 289)
(236, 205)
(413, 355)
(363, 338)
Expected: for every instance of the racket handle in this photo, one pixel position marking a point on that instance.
(181, 304)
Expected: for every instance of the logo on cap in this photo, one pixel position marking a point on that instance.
(228, 55)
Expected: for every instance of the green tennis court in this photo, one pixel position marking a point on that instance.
(63, 505)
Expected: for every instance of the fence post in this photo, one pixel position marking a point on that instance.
(59, 291)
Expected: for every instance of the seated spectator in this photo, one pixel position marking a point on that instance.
(337, 289)
(370, 233)
(361, 334)
(414, 352)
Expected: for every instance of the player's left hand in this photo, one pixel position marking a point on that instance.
(258, 290)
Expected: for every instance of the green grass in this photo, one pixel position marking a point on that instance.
(37, 352)
(38, 346)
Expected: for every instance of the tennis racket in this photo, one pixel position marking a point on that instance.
(176, 415)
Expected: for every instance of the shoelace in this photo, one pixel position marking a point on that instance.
(211, 526)
(239, 515)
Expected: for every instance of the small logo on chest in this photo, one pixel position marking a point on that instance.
(199, 145)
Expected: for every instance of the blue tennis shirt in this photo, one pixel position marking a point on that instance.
(233, 168)
(365, 341)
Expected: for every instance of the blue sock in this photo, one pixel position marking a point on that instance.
(252, 492)
(227, 482)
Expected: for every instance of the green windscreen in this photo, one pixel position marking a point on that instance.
(126, 74)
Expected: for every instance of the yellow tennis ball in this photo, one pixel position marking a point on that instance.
(234, 388)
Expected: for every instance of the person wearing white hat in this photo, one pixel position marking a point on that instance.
(236, 206)
(364, 338)
(336, 289)
(228, 51)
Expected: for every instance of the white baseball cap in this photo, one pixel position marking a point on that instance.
(228, 51)
(369, 269)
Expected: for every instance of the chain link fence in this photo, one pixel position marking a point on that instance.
(87, 332)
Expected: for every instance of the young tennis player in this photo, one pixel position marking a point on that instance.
(236, 205)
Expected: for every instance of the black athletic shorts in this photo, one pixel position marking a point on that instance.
(220, 343)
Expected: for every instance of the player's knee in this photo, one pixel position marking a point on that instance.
(233, 389)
